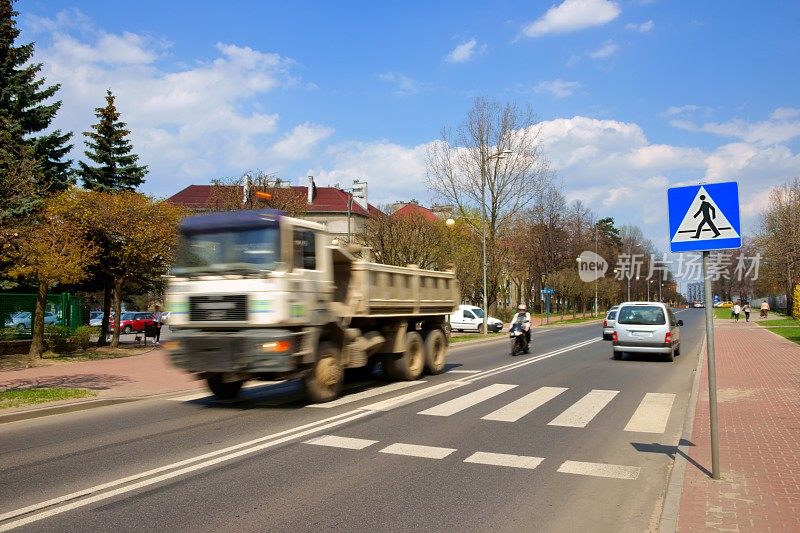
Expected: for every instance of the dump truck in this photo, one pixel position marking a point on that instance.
(259, 295)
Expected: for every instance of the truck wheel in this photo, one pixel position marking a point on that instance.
(435, 351)
(324, 382)
(224, 390)
(407, 366)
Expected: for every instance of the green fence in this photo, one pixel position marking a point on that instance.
(17, 311)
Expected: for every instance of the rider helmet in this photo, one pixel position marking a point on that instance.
(522, 307)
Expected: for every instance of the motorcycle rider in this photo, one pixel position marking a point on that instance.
(524, 317)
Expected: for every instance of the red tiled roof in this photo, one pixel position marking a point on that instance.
(414, 210)
(327, 199)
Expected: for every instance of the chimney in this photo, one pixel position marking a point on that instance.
(312, 190)
(360, 194)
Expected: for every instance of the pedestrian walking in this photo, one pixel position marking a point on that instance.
(764, 309)
(157, 323)
(746, 310)
(737, 309)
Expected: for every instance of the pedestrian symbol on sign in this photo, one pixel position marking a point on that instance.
(704, 220)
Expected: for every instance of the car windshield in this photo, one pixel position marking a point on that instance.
(649, 315)
(256, 249)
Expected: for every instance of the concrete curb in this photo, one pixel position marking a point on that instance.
(672, 499)
(63, 408)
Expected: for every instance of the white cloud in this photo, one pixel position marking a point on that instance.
(681, 110)
(464, 52)
(403, 85)
(188, 124)
(783, 125)
(644, 27)
(608, 49)
(558, 88)
(394, 172)
(299, 143)
(573, 15)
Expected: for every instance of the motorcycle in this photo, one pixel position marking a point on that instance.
(519, 341)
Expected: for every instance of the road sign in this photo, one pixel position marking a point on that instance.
(704, 217)
(548, 290)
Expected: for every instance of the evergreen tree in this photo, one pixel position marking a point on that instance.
(24, 113)
(116, 168)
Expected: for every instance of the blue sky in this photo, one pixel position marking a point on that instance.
(634, 96)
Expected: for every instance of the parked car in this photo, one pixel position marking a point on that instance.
(96, 318)
(165, 317)
(698, 305)
(608, 323)
(22, 320)
(131, 322)
(646, 327)
(470, 318)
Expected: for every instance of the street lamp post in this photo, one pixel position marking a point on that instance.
(499, 155)
(595, 278)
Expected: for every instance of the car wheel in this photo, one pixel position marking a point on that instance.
(127, 330)
(678, 350)
(617, 356)
(670, 356)
(21, 328)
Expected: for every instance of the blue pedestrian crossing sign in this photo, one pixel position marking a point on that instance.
(704, 217)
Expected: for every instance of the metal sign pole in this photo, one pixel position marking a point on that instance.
(712, 371)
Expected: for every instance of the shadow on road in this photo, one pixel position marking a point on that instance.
(670, 451)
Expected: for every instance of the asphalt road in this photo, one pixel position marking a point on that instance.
(565, 438)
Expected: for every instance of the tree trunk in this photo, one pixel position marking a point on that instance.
(103, 338)
(117, 312)
(37, 324)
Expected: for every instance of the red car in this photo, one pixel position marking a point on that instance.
(133, 322)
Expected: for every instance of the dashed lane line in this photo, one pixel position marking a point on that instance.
(502, 459)
(415, 450)
(599, 470)
(341, 442)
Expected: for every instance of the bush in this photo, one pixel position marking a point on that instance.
(505, 313)
(9, 334)
(83, 336)
(57, 339)
(796, 302)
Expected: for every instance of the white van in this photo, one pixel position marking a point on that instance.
(470, 318)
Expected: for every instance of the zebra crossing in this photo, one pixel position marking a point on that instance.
(651, 415)
(524, 462)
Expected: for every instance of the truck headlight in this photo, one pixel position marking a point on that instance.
(276, 346)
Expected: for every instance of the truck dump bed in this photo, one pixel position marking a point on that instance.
(365, 289)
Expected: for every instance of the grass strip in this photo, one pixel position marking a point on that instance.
(792, 334)
(22, 397)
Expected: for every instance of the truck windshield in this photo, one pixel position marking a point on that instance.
(256, 249)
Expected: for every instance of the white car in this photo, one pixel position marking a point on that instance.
(608, 323)
(470, 318)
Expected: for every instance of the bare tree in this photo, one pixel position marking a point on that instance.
(779, 240)
(255, 190)
(495, 160)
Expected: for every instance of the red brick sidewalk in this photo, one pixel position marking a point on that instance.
(758, 398)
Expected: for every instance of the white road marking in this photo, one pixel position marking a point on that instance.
(341, 442)
(225, 454)
(411, 397)
(519, 408)
(414, 450)
(535, 359)
(377, 391)
(463, 371)
(600, 470)
(652, 414)
(468, 400)
(584, 410)
(283, 436)
(502, 459)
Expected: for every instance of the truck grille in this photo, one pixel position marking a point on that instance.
(214, 308)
